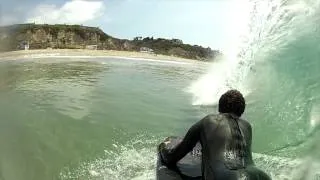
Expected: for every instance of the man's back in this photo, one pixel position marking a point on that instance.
(226, 142)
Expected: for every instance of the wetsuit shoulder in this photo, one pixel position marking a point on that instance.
(245, 126)
(213, 118)
(245, 122)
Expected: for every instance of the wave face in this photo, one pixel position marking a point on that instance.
(275, 63)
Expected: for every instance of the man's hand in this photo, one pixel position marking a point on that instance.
(164, 151)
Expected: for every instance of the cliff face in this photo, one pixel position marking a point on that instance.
(80, 37)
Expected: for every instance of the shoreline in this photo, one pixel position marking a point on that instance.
(84, 53)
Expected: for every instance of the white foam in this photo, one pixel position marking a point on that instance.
(221, 76)
(137, 159)
(134, 160)
(315, 116)
(282, 168)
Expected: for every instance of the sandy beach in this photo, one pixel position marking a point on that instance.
(83, 53)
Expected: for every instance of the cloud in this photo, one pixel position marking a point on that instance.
(9, 14)
(8, 19)
(72, 12)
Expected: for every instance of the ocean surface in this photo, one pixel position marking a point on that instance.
(102, 118)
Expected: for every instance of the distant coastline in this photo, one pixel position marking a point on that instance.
(91, 40)
(83, 54)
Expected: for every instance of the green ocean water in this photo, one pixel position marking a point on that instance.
(57, 114)
(102, 118)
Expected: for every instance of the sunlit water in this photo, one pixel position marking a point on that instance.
(89, 117)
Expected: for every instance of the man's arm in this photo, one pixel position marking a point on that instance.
(172, 156)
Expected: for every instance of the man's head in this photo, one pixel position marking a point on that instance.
(232, 102)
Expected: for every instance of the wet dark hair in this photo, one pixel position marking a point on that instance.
(232, 102)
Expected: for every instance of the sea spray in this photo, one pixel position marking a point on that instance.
(221, 76)
(228, 71)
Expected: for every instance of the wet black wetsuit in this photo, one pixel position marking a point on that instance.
(226, 148)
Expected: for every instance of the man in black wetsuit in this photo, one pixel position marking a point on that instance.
(226, 143)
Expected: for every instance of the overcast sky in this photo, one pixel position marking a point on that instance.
(202, 22)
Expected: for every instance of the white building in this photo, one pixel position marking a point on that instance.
(146, 50)
(92, 47)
